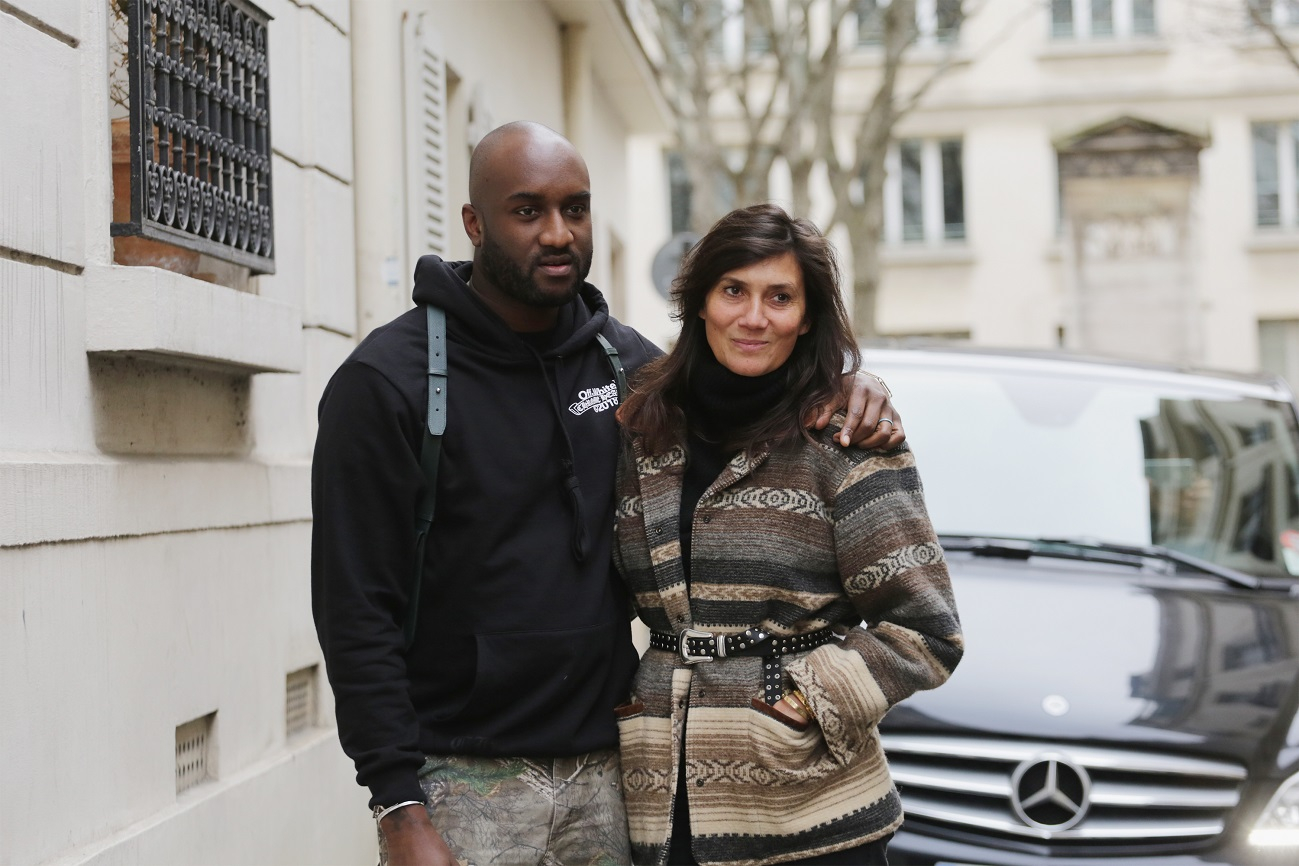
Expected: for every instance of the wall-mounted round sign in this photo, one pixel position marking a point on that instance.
(668, 259)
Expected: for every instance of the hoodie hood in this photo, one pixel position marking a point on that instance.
(445, 285)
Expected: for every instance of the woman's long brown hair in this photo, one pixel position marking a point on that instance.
(815, 369)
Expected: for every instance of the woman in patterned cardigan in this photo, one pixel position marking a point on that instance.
(795, 588)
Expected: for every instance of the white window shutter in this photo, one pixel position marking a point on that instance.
(426, 139)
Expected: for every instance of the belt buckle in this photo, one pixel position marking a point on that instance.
(683, 648)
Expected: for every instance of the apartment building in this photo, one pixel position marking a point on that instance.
(1113, 176)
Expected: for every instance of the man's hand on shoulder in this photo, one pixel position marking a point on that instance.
(872, 422)
(412, 839)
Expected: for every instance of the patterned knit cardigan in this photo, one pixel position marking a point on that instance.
(790, 539)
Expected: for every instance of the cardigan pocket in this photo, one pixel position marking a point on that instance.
(792, 756)
(767, 710)
(629, 709)
(648, 772)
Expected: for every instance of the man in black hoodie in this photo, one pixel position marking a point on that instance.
(522, 647)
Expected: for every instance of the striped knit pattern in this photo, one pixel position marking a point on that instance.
(791, 539)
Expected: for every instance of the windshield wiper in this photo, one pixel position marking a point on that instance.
(1092, 550)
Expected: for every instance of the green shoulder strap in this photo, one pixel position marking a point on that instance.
(429, 454)
(616, 363)
(431, 450)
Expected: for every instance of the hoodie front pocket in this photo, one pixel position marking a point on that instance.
(524, 676)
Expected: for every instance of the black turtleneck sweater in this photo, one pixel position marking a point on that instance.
(719, 403)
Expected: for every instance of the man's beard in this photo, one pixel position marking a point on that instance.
(504, 273)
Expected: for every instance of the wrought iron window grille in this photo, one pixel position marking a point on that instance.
(200, 129)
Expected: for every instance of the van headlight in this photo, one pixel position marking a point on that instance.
(1278, 826)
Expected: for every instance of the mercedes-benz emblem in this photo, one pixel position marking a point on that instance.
(1050, 793)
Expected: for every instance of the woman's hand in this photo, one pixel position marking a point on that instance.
(871, 422)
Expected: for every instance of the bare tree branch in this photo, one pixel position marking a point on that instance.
(1257, 16)
(949, 57)
(781, 102)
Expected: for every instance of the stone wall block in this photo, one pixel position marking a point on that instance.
(277, 408)
(61, 16)
(285, 50)
(286, 284)
(57, 603)
(44, 395)
(329, 254)
(327, 96)
(41, 165)
(161, 315)
(180, 626)
(50, 496)
(336, 829)
(337, 12)
(284, 406)
(145, 407)
(326, 352)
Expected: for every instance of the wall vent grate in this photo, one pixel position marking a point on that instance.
(193, 752)
(300, 701)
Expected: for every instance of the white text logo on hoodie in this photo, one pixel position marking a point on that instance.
(598, 399)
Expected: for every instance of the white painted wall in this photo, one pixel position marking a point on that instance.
(154, 550)
(40, 158)
(647, 197)
(506, 59)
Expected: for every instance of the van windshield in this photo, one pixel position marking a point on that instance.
(1204, 470)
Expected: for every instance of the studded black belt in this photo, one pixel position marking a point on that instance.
(694, 646)
(703, 646)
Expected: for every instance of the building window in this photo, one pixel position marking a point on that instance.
(200, 140)
(757, 38)
(1278, 349)
(1276, 174)
(733, 30)
(1102, 19)
(937, 21)
(1279, 13)
(924, 193)
(706, 19)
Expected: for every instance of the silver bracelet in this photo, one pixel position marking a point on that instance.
(380, 811)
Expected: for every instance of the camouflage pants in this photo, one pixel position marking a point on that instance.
(552, 812)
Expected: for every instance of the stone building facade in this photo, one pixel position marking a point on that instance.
(1119, 191)
(164, 699)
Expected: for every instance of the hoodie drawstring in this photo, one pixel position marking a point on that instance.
(571, 484)
(579, 516)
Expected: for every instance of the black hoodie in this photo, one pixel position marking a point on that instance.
(523, 646)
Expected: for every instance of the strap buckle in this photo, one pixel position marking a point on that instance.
(683, 648)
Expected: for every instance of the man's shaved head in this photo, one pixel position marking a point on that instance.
(505, 145)
(529, 219)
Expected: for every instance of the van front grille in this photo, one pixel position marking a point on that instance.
(1065, 793)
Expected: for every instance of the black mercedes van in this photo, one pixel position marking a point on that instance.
(1124, 546)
